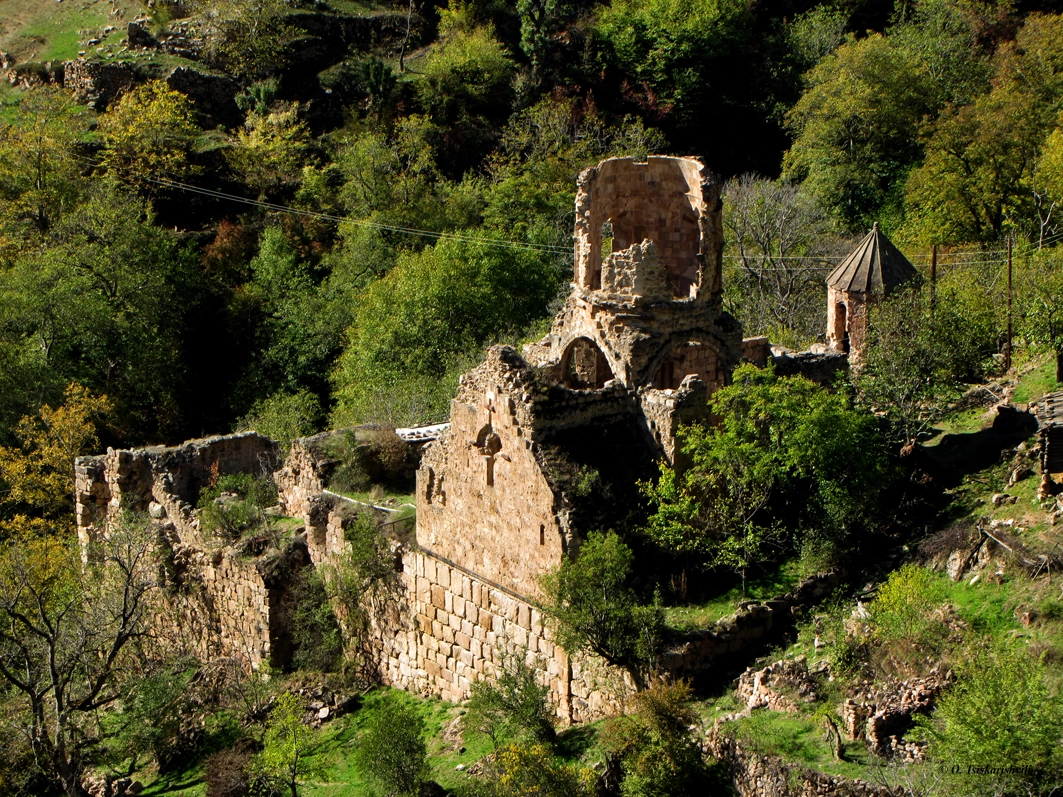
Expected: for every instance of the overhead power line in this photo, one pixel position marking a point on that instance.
(313, 214)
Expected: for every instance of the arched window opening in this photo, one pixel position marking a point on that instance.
(584, 366)
(679, 256)
(841, 324)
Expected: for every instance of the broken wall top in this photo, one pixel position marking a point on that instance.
(648, 231)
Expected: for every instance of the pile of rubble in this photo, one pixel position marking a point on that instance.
(101, 785)
(180, 39)
(324, 704)
(779, 686)
(881, 715)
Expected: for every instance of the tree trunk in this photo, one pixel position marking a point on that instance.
(834, 739)
(402, 49)
(1059, 366)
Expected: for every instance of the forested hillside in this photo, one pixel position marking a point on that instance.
(428, 157)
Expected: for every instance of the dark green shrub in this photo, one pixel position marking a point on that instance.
(233, 505)
(372, 456)
(595, 608)
(658, 755)
(392, 753)
(513, 707)
(315, 631)
(158, 717)
(1001, 712)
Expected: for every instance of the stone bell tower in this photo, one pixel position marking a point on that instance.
(871, 272)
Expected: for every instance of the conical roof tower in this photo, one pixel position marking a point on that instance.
(876, 267)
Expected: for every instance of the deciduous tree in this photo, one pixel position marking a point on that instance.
(779, 241)
(287, 747)
(67, 630)
(595, 608)
(787, 459)
(149, 134)
(40, 173)
(39, 474)
(856, 127)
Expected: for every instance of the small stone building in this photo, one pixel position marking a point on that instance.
(871, 272)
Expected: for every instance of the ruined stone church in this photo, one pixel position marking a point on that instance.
(542, 447)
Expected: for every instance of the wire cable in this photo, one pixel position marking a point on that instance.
(435, 235)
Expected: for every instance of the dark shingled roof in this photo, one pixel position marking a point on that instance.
(875, 266)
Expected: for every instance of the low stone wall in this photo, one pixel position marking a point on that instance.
(821, 367)
(131, 480)
(303, 478)
(708, 651)
(218, 603)
(755, 775)
(98, 84)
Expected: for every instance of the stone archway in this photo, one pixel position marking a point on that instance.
(841, 326)
(584, 366)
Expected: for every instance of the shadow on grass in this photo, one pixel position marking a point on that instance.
(962, 454)
(575, 742)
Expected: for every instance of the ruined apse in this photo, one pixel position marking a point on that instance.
(544, 447)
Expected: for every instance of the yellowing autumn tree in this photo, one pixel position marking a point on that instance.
(270, 151)
(149, 134)
(38, 476)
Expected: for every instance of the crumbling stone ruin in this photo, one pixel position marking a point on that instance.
(225, 600)
(541, 449)
(1049, 412)
(755, 775)
(882, 715)
(780, 686)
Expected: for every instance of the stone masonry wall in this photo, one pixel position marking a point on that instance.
(482, 498)
(446, 627)
(218, 600)
(663, 200)
(96, 83)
